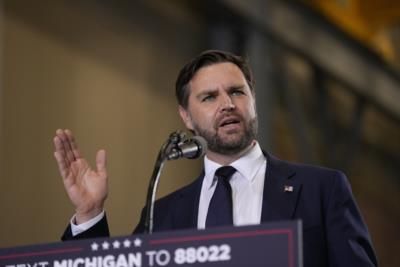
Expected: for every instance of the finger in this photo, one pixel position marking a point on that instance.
(67, 146)
(69, 149)
(73, 144)
(101, 162)
(60, 145)
(59, 148)
(61, 164)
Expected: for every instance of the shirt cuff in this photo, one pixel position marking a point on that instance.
(76, 229)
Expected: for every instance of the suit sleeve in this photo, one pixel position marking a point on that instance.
(100, 229)
(349, 243)
(140, 227)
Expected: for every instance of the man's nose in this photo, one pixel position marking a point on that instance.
(227, 103)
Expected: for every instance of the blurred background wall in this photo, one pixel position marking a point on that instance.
(328, 87)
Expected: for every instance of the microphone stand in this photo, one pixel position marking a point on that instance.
(172, 142)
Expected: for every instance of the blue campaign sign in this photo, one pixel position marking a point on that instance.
(273, 244)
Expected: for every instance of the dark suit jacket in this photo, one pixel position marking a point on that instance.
(334, 233)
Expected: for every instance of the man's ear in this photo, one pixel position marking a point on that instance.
(185, 116)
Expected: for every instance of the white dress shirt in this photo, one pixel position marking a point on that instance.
(247, 188)
(247, 191)
(76, 229)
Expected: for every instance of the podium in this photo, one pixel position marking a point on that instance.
(273, 244)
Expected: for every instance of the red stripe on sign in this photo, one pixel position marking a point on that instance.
(219, 236)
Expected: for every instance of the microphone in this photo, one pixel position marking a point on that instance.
(177, 146)
(192, 148)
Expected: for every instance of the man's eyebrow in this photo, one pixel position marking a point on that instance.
(212, 91)
(235, 87)
(207, 92)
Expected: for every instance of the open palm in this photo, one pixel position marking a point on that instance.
(86, 188)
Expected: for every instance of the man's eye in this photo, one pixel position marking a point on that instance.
(208, 98)
(237, 92)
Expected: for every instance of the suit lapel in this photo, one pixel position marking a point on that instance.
(187, 205)
(281, 191)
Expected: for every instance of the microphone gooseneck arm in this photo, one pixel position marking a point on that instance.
(173, 141)
(151, 193)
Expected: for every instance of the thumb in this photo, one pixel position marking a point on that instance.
(101, 161)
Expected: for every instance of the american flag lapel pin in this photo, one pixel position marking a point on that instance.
(288, 188)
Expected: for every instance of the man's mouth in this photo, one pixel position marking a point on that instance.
(229, 121)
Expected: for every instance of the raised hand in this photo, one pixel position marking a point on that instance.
(86, 188)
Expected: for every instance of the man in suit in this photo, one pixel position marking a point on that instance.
(240, 184)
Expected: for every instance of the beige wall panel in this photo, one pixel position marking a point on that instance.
(109, 80)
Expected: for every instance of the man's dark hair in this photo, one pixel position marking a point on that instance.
(207, 58)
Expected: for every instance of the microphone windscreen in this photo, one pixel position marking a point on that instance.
(201, 143)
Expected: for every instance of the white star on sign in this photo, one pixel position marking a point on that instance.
(137, 242)
(94, 246)
(127, 243)
(116, 244)
(105, 245)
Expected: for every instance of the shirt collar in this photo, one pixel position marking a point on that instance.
(247, 165)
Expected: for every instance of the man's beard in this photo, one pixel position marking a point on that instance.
(229, 147)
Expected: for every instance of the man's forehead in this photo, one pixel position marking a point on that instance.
(220, 73)
(218, 67)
